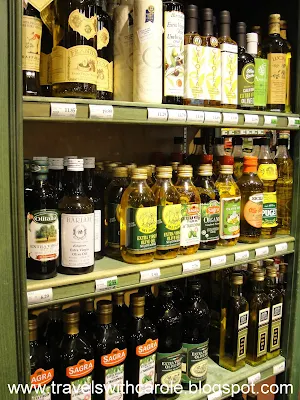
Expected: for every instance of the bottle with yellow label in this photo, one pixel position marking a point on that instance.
(267, 173)
(138, 220)
(283, 28)
(74, 54)
(168, 215)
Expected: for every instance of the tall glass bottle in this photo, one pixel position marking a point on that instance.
(238, 156)
(150, 302)
(55, 176)
(45, 61)
(257, 29)
(234, 330)
(138, 220)
(168, 215)
(230, 204)
(120, 312)
(190, 211)
(77, 224)
(283, 28)
(284, 187)
(88, 319)
(53, 332)
(267, 173)
(256, 148)
(42, 228)
(282, 278)
(195, 157)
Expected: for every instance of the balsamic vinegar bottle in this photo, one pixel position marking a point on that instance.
(88, 319)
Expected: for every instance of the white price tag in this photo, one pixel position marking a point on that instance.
(215, 395)
(277, 369)
(98, 111)
(281, 247)
(195, 116)
(262, 251)
(106, 283)
(254, 378)
(63, 110)
(190, 266)
(150, 274)
(212, 117)
(241, 255)
(217, 261)
(251, 119)
(270, 120)
(294, 122)
(176, 115)
(158, 113)
(40, 296)
(230, 118)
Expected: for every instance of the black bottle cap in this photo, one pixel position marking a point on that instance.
(178, 140)
(237, 141)
(265, 142)
(283, 142)
(225, 17)
(207, 14)
(191, 11)
(241, 27)
(199, 140)
(256, 142)
(219, 140)
(191, 15)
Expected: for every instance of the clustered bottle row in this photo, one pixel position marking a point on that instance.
(161, 342)
(151, 51)
(81, 213)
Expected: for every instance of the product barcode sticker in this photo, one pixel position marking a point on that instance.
(195, 116)
(150, 274)
(106, 283)
(270, 120)
(212, 117)
(262, 251)
(278, 368)
(158, 113)
(230, 118)
(241, 255)
(176, 115)
(251, 119)
(190, 266)
(63, 110)
(217, 261)
(294, 122)
(98, 111)
(254, 378)
(215, 395)
(40, 296)
(281, 247)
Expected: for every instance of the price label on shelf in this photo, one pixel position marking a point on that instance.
(212, 117)
(106, 283)
(254, 378)
(241, 255)
(270, 120)
(40, 296)
(217, 261)
(150, 275)
(262, 251)
(63, 110)
(230, 118)
(176, 115)
(215, 395)
(190, 266)
(278, 368)
(293, 122)
(281, 247)
(160, 114)
(195, 116)
(251, 119)
(98, 111)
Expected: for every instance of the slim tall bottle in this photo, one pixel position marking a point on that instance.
(55, 176)
(150, 302)
(245, 70)
(283, 35)
(238, 156)
(88, 319)
(45, 62)
(53, 332)
(120, 314)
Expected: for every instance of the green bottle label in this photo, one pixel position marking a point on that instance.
(141, 224)
(168, 226)
(113, 224)
(246, 86)
(269, 217)
(169, 366)
(210, 220)
(261, 82)
(230, 217)
(194, 362)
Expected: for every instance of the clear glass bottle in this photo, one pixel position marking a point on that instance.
(198, 151)
(175, 166)
(238, 156)
(283, 35)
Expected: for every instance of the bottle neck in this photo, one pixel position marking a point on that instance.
(241, 41)
(264, 153)
(118, 300)
(271, 282)
(89, 177)
(105, 319)
(138, 311)
(236, 290)
(191, 26)
(252, 48)
(258, 286)
(225, 30)
(283, 34)
(282, 152)
(219, 150)
(71, 328)
(208, 28)
(193, 292)
(74, 184)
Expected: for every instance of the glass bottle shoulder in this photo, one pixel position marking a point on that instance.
(78, 204)
(274, 44)
(250, 182)
(138, 195)
(43, 196)
(74, 347)
(165, 193)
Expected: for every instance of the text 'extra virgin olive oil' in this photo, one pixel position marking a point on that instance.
(76, 223)
(138, 220)
(168, 215)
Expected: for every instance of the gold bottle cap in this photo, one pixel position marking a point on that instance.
(118, 297)
(130, 168)
(139, 173)
(87, 304)
(32, 322)
(185, 171)
(205, 170)
(237, 279)
(120, 172)
(137, 300)
(258, 276)
(104, 307)
(175, 165)
(153, 167)
(283, 24)
(226, 169)
(283, 267)
(111, 166)
(148, 168)
(252, 265)
(71, 315)
(269, 262)
(274, 18)
(55, 311)
(274, 23)
(164, 172)
(271, 272)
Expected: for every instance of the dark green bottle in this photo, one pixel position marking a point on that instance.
(121, 314)
(88, 320)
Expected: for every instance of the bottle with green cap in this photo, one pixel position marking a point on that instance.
(42, 228)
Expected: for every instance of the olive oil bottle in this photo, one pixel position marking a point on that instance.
(282, 278)
(150, 302)
(138, 220)
(88, 319)
(53, 332)
(120, 312)
(234, 331)
(259, 305)
(190, 211)
(168, 215)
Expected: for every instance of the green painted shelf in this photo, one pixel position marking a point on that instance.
(68, 110)
(64, 288)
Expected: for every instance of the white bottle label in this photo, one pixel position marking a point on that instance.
(77, 240)
(97, 230)
(190, 224)
(146, 374)
(229, 63)
(114, 381)
(194, 71)
(212, 71)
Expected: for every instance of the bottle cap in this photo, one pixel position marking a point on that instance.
(71, 315)
(118, 297)
(39, 165)
(88, 162)
(271, 272)
(241, 28)
(207, 14)
(206, 159)
(191, 11)
(137, 300)
(274, 18)
(110, 167)
(75, 164)
(227, 160)
(32, 322)
(87, 304)
(237, 279)
(283, 267)
(237, 141)
(148, 168)
(219, 140)
(205, 170)
(225, 17)
(175, 165)
(269, 262)
(283, 24)
(258, 275)
(139, 173)
(199, 140)
(178, 140)
(252, 43)
(164, 172)
(185, 171)
(283, 142)
(252, 266)
(120, 172)
(55, 311)
(67, 158)
(56, 163)
(104, 307)
(250, 161)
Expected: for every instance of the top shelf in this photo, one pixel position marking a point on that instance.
(68, 110)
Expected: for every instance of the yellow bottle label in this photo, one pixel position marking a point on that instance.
(31, 43)
(45, 69)
(47, 16)
(242, 345)
(87, 27)
(262, 340)
(275, 327)
(40, 4)
(76, 64)
(102, 38)
(267, 172)
(105, 75)
(288, 82)
(269, 217)
(277, 78)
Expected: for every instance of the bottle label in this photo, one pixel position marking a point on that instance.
(243, 320)
(288, 81)
(269, 217)
(43, 235)
(230, 217)
(242, 336)
(264, 316)
(76, 64)
(81, 389)
(168, 226)
(229, 65)
(97, 219)
(194, 70)
(45, 69)
(103, 38)
(210, 221)
(42, 379)
(114, 383)
(141, 229)
(146, 375)
(262, 335)
(114, 358)
(253, 210)
(267, 172)
(277, 78)
(190, 224)
(86, 27)
(261, 82)
(31, 43)
(81, 369)
(169, 370)
(113, 224)
(275, 327)
(105, 75)
(173, 53)
(77, 240)
(246, 86)
(194, 362)
(212, 64)
(148, 348)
